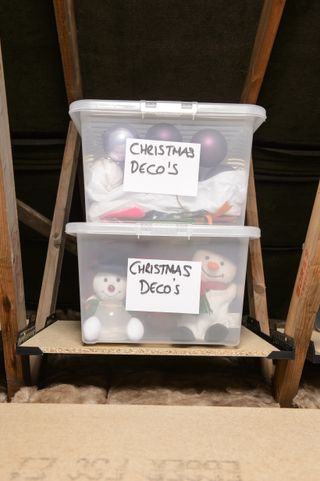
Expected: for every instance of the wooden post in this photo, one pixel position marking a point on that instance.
(68, 42)
(302, 312)
(269, 22)
(12, 303)
(51, 277)
(255, 280)
(67, 35)
(266, 33)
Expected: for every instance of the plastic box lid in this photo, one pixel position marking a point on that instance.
(164, 229)
(150, 108)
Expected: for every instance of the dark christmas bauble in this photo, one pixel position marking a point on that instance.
(205, 173)
(114, 141)
(164, 132)
(208, 172)
(213, 147)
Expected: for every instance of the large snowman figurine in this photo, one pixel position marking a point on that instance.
(218, 290)
(110, 322)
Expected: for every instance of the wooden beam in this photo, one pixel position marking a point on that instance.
(302, 312)
(270, 18)
(12, 303)
(257, 295)
(68, 42)
(266, 33)
(41, 224)
(265, 36)
(51, 277)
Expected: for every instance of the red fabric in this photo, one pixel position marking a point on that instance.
(132, 213)
(212, 285)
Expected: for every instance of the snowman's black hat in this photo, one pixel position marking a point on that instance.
(116, 269)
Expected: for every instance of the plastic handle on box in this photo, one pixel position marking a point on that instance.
(145, 230)
(174, 109)
(172, 230)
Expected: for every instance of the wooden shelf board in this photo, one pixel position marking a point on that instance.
(64, 337)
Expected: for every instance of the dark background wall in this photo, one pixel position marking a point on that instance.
(174, 50)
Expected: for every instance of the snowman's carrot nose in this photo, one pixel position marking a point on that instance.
(213, 266)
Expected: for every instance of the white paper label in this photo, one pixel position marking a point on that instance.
(158, 285)
(161, 167)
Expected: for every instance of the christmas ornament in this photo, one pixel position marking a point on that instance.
(164, 132)
(213, 147)
(114, 141)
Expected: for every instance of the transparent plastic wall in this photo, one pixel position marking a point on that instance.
(162, 289)
(222, 132)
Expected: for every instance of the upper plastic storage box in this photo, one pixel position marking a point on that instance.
(160, 282)
(166, 161)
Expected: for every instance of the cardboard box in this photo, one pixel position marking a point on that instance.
(163, 443)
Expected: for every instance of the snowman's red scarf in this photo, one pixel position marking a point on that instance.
(212, 285)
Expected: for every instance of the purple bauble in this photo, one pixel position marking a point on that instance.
(114, 141)
(213, 147)
(164, 132)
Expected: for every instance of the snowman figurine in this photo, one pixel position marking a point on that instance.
(218, 290)
(110, 321)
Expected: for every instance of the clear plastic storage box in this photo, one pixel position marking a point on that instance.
(166, 161)
(161, 283)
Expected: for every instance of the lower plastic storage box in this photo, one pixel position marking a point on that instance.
(161, 283)
(166, 161)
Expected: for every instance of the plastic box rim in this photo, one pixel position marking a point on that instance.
(161, 108)
(162, 230)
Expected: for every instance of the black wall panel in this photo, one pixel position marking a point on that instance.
(168, 49)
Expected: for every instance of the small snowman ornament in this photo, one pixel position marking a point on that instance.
(110, 321)
(218, 290)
